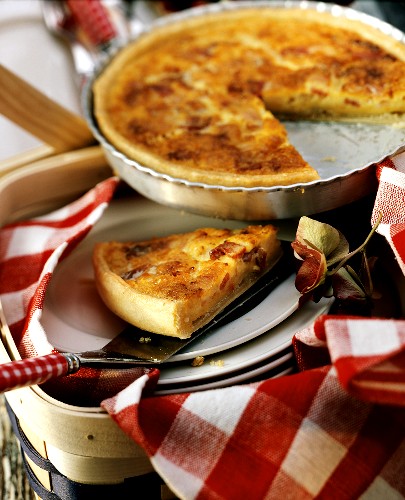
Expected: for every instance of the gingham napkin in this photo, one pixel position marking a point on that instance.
(335, 431)
(29, 252)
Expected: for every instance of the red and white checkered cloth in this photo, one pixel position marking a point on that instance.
(336, 430)
(29, 252)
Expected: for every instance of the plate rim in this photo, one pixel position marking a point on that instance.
(317, 309)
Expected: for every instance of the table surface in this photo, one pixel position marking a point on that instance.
(13, 481)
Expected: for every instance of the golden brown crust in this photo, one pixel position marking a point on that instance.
(176, 284)
(195, 99)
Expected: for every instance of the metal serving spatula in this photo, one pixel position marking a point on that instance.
(129, 348)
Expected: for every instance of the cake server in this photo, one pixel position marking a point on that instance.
(135, 347)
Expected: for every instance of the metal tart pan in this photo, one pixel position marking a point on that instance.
(343, 153)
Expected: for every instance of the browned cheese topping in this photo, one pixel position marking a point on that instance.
(168, 265)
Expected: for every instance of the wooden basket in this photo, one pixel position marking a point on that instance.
(65, 445)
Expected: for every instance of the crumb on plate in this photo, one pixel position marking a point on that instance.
(144, 340)
(220, 363)
(198, 361)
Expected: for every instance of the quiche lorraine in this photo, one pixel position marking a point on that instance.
(174, 285)
(198, 98)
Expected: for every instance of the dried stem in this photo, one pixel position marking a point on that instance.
(361, 248)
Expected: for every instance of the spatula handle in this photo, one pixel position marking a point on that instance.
(93, 18)
(32, 371)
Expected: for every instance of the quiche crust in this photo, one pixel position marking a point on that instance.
(174, 285)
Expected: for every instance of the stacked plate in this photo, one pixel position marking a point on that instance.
(255, 344)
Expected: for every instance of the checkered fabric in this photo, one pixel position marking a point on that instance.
(298, 437)
(334, 430)
(29, 252)
(390, 202)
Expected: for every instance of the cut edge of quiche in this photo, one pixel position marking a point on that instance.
(174, 285)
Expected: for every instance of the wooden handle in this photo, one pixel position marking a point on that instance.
(94, 20)
(41, 116)
(32, 371)
(25, 158)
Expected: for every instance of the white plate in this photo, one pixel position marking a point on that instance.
(283, 366)
(276, 307)
(267, 347)
(29, 50)
(75, 318)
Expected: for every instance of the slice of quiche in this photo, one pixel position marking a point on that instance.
(176, 284)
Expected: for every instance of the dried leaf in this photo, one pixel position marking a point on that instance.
(339, 252)
(312, 270)
(323, 253)
(319, 235)
(346, 286)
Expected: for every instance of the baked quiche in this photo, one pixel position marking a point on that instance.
(174, 285)
(200, 99)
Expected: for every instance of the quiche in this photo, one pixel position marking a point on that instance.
(201, 98)
(174, 285)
